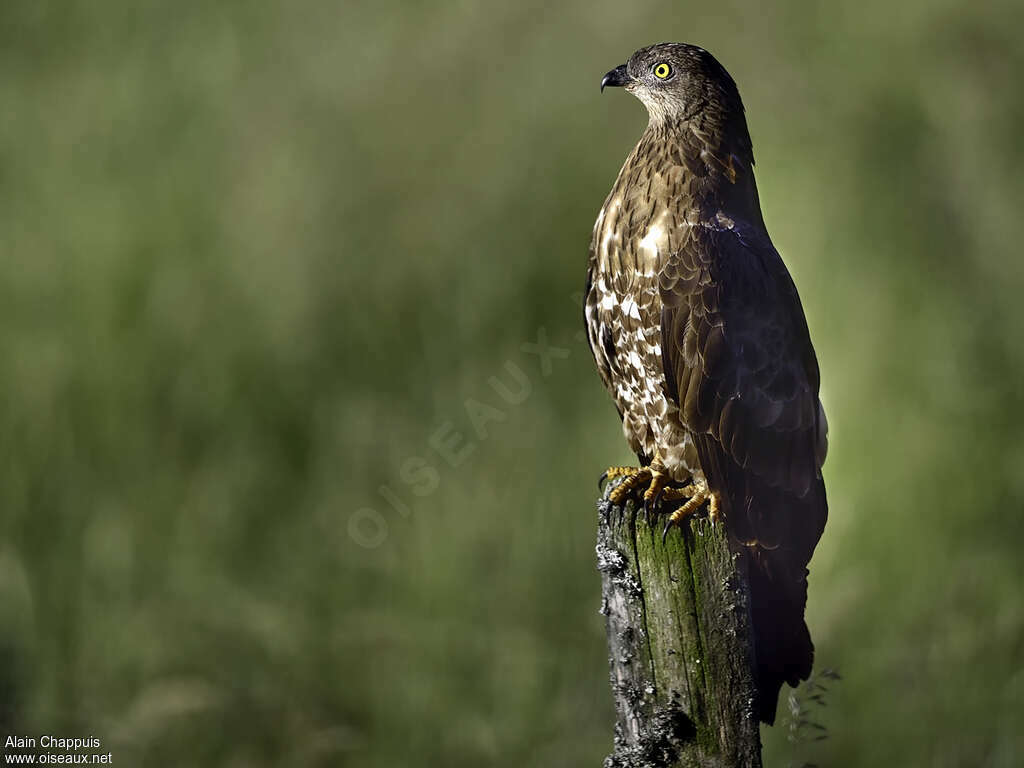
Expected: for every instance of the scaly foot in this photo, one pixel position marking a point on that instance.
(692, 496)
(612, 472)
(635, 478)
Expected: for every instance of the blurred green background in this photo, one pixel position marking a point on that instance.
(259, 259)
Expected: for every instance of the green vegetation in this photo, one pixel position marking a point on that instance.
(256, 256)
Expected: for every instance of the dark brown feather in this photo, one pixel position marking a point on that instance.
(699, 336)
(747, 379)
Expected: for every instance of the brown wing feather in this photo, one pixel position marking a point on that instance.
(739, 363)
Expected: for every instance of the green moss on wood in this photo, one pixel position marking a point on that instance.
(679, 643)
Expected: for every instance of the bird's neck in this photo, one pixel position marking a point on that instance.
(717, 161)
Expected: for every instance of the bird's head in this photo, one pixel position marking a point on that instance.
(678, 82)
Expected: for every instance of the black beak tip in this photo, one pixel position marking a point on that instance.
(616, 78)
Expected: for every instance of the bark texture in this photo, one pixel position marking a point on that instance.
(679, 642)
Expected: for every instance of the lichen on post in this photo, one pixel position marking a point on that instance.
(679, 641)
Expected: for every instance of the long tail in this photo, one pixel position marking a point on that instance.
(776, 531)
(787, 528)
(783, 651)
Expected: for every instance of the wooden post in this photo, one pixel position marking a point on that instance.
(679, 643)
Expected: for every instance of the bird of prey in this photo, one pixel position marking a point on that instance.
(700, 337)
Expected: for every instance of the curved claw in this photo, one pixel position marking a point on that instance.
(602, 479)
(652, 505)
(698, 497)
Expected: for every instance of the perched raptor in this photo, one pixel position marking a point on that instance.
(700, 338)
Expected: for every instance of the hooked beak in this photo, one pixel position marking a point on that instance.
(618, 77)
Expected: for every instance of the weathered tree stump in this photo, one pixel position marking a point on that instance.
(679, 642)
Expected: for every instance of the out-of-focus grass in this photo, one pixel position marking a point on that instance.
(254, 256)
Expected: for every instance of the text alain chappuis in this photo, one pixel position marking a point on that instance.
(53, 750)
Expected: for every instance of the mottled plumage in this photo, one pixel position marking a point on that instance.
(699, 335)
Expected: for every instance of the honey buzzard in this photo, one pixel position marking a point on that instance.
(700, 338)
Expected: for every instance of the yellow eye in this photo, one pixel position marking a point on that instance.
(663, 70)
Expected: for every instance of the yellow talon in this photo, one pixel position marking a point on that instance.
(613, 472)
(658, 486)
(695, 495)
(634, 478)
(677, 494)
(658, 491)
